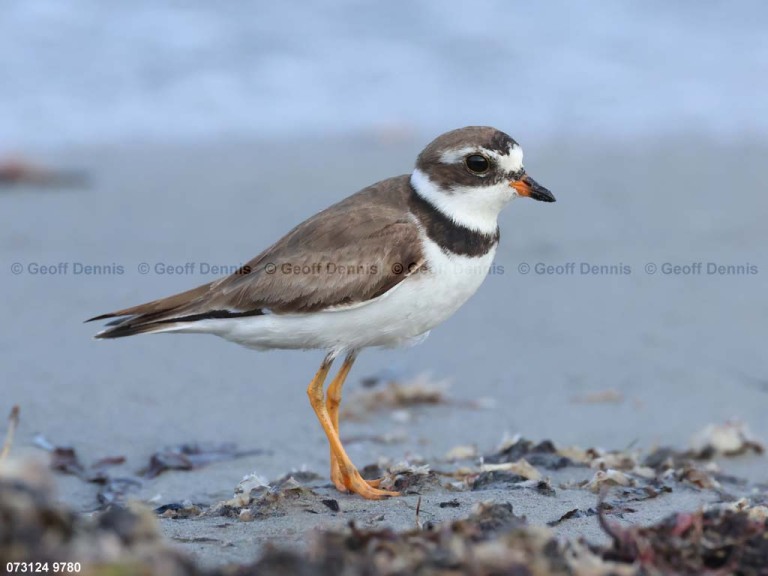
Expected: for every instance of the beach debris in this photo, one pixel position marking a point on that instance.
(625, 468)
(610, 396)
(573, 514)
(579, 456)
(614, 459)
(695, 466)
(419, 524)
(396, 395)
(115, 490)
(696, 476)
(332, 504)
(282, 496)
(665, 458)
(112, 489)
(758, 513)
(492, 540)
(399, 396)
(714, 541)
(302, 476)
(37, 528)
(31, 474)
(604, 478)
(520, 468)
(643, 492)
(177, 510)
(409, 478)
(730, 538)
(18, 171)
(374, 471)
(543, 487)
(496, 479)
(515, 476)
(192, 456)
(421, 390)
(729, 439)
(255, 499)
(461, 452)
(13, 423)
(249, 487)
(543, 454)
(65, 459)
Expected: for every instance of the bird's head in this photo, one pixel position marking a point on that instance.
(471, 173)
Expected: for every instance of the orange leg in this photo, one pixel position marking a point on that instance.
(350, 477)
(332, 402)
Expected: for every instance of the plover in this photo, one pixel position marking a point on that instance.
(380, 268)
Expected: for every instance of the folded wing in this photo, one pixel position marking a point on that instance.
(349, 254)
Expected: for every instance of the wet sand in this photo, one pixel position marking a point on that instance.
(681, 350)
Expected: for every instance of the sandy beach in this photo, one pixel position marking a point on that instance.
(595, 329)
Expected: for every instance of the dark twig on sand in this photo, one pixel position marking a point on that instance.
(418, 510)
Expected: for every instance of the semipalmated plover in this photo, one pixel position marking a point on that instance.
(380, 268)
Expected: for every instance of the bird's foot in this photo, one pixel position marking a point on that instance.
(353, 482)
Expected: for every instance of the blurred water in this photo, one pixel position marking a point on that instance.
(90, 71)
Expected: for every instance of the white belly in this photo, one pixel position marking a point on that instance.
(401, 316)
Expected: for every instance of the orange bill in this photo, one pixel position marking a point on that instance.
(529, 188)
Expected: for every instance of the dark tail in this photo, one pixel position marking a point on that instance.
(153, 316)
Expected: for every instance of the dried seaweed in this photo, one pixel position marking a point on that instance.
(177, 510)
(192, 456)
(398, 396)
(332, 504)
(573, 514)
(497, 479)
(694, 543)
(35, 527)
(410, 479)
(112, 490)
(543, 454)
(492, 540)
(256, 500)
(394, 395)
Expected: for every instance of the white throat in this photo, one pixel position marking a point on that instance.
(474, 208)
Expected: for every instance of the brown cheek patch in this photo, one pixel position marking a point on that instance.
(448, 176)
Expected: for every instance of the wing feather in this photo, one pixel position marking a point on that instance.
(348, 254)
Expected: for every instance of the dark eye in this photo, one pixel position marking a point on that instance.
(477, 163)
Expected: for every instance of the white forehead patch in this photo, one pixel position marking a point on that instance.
(512, 161)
